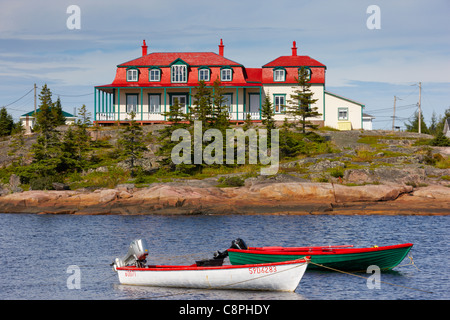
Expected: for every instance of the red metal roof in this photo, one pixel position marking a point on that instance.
(254, 74)
(191, 58)
(294, 61)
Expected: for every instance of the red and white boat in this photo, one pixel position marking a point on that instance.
(279, 276)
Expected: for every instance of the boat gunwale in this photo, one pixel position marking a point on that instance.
(194, 267)
(325, 251)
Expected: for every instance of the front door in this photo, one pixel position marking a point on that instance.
(254, 103)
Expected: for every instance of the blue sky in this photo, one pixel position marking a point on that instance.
(369, 66)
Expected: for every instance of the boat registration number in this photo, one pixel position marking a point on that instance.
(260, 270)
(130, 273)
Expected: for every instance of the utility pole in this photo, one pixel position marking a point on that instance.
(420, 110)
(35, 99)
(393, 117)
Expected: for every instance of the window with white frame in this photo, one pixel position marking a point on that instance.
(203, 74)
(132, 101)
(342, 113)
(154, 103)
(179, 73)
(132, 75)
(308, 73)
(226, 74)
(279, 102)
(279, 75)
(154, 75)
(227, 101)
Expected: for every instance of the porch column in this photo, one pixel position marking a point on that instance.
(165, 102)
(237, 103)
(142, 104)
(260, 97)
(95, 104)
(118, 104)
(190, 101)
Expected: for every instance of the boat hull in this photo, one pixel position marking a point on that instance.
(284, 276)
(349, 259)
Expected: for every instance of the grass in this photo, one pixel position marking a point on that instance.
(109, 179)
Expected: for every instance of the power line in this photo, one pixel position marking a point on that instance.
(19, 98)
(78, 95)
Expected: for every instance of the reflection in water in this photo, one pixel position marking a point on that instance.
(149, 293)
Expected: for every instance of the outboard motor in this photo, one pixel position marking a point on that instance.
(238, 244)
(235, 244)
(136, 256)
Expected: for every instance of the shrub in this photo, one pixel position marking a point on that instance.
(234, 181)
(337, 172)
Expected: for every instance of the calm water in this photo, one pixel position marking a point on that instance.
(37, 250)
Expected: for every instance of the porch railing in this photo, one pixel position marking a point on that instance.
(156, 116)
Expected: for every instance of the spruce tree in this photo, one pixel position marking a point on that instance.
(17, 145)
(57, 113)
(413, 125)
(132, 144)
(202, 109)
(220, 115)
(47, 151)
(267, 114)
(6, 123)
(301, 106)
(177, 120)
(82, 136)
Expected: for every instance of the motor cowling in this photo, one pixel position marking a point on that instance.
(238, 244)
(136, 255)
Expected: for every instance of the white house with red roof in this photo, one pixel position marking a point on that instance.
(149, 85)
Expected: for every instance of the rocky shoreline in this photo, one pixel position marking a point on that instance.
(373, 172)
(263, 198)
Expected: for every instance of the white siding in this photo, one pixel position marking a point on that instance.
(333, 104)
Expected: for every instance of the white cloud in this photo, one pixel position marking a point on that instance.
(35, 45)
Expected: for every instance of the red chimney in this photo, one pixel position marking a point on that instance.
(144, 49)
(221, 48)
(294, 49)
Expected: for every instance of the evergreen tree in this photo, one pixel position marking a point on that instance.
(220, 115)
(178, 120)
(47, 151)
(17, 145)
(70, 160)
(440, 140)
(248, 124)
(57, 113)
(132, 144)
(413, 125)
(201, 109)
(82, 136)
(6, 123)
(301, 105)
(45, 121)
(267, 114)
(441, 123)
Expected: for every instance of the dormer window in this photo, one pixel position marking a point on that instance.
(179, 71)
(132, 74)
(226, 74)
(279, 75)
(154, 74)
(204, 74)
(308, 72)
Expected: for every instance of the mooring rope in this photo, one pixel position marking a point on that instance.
(411, 263)
(366, 278)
